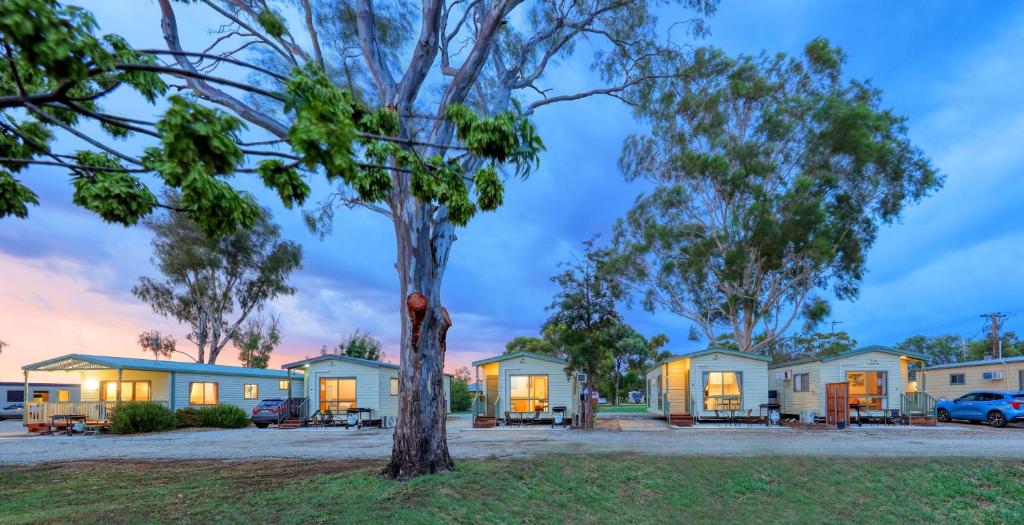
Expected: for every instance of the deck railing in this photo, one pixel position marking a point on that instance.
(94, 411)
(917, 403)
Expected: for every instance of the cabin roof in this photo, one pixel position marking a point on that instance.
(103, 362)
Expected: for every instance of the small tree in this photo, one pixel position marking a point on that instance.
(160, 345)
(629, 351)
(772, 176)
(583, 322)
(940, 349)
(462, 398)
(214, 284)
(257, 341)
(358, 344)
(535, 345)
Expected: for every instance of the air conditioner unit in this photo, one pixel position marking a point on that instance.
(995, 375)
(389, 421)
(779, 376)
(581, 378)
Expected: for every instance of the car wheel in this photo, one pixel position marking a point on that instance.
(996, 419)
(942, 415)
(261, 425)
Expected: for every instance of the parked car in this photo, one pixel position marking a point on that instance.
(12, 411)
(268, 412)
(994, 407)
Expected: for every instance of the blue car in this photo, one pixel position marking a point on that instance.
(994, 407)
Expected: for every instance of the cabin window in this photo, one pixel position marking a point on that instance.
(282, 384)
(528, 393)
(40, 396)
(723, 390)
(337, 394)
(15, 396)
(63, 396)
(251, 391)
(202, 393)
(394, 386)
(130, 391)
(957, 379)
(802, 383)
(867, 389)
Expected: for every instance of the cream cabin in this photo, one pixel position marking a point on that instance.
(706, 384)
(879, 379)
(524, 384)
(337, 383)
(952, 380)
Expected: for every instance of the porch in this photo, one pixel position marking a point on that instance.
(57, 414)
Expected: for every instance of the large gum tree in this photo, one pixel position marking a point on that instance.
(414, 111)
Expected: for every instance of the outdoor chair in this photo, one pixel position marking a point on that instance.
(536, 418)
(508, 419)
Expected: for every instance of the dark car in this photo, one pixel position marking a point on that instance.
(994, 407)
(268, 412)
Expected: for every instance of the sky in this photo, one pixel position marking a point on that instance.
(952, 68)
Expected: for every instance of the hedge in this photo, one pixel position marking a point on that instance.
(134, 417)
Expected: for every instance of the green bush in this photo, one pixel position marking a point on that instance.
(189, 417)
(141, 416)
(224, 416)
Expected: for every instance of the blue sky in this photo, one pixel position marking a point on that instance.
(953, 68)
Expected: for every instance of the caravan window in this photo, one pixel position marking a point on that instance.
(393, 386)
(251, 391)
(802, 383)
(723, 390)
(202, 393)
(529, 393)
(337, 394)
(868, 389)
(957, 379)
(130, 391)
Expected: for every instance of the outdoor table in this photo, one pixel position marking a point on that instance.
(856, 406)
(69, 421)
(768, 408)
(358, 413)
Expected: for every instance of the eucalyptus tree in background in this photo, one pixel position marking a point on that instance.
(2, 346)
(772, 176)
(214, 284)
(412, 113)
(160, 345)
(359, 344)
(536, 345)
(257, 340)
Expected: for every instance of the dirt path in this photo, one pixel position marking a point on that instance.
(629, 435)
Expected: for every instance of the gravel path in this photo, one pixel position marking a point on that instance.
(623, 435)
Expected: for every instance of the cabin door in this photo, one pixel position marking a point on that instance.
(490, 394)
(837, 403)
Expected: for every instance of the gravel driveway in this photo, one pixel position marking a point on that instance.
(626, 435)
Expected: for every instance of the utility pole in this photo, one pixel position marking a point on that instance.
(834, 323)
(997, 346)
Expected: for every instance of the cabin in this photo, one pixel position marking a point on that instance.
(105, 381)
(952, 380)
(879, 378)
(337, 383)
(13, 392)
(524, 386)
(708, 384)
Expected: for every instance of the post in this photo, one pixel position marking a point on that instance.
(172, 392)
(25, 400)
(120, 374)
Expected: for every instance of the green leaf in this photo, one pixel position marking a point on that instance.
(286, 180)
(14, 196)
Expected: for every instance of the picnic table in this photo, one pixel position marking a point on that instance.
(68, 422)
(354, 417)
(856, 407)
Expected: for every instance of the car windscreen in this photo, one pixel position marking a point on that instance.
(1018, 396)
(270, 403)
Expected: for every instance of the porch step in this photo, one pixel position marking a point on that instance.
(922, 420)
(484, 422)
(680, 420)
(291, 423)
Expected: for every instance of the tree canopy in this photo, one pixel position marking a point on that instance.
(257, 340)
(361, 345)
(772, 175)
(214, 284)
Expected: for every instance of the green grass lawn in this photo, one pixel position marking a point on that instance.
(621, 409)
(557, 489)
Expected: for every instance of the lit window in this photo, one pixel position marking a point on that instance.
(802, 383)
(63, 395)
(202, 393)
(130, 391)
(722, 391)
(394, 386)
(957, 379)
(529, 393)
(337, 394)
(251, 391)
(283, 384)
(867, 389)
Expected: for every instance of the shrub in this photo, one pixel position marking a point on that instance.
(189, 417)
(224, 416)
(141, 416)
